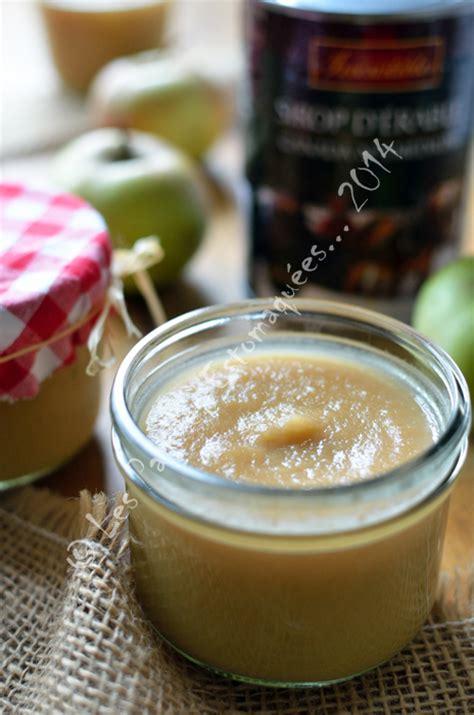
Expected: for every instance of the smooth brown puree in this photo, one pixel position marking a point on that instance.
(290, 420)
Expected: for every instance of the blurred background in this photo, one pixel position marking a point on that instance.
(30, 81)
(41, 111)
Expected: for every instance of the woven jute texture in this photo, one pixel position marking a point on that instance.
(74, 640)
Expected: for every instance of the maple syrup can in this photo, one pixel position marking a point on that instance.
(359, 128)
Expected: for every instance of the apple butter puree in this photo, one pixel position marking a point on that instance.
(291, 420)
(278, 609)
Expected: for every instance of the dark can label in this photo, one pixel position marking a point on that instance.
(358, 143)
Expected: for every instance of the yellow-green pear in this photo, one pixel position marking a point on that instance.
(444, 311)
(162, 94)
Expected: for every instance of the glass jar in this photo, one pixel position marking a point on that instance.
(56, 291)
(84, 35)
(40, 434)
(282, 586)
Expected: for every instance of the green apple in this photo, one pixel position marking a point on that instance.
(141, 186)
(444, 312)
(163, 95)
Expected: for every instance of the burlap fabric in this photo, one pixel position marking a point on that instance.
(74, 640)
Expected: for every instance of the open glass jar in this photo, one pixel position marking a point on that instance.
(290, 587)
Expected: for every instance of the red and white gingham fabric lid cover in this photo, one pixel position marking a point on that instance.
(55, 262)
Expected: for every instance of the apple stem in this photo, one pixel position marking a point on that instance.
(123, 151)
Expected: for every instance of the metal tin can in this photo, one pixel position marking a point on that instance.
(358, 138)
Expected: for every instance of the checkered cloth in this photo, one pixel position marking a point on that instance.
(55, 258)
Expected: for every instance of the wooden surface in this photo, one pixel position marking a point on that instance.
(216, 274)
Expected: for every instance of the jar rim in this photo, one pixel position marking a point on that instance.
(125, 425)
